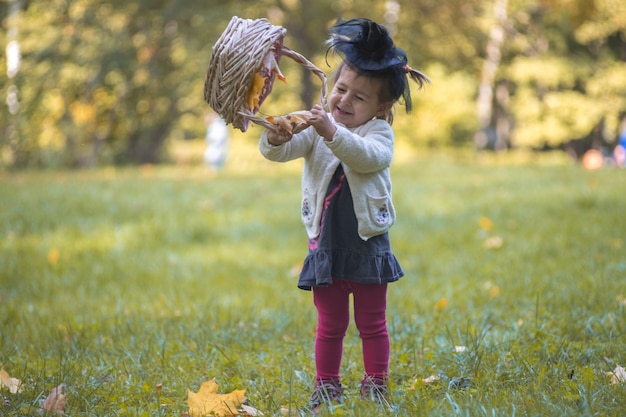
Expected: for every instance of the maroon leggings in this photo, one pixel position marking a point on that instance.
(333, 318)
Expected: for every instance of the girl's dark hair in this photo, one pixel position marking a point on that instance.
(368, 50)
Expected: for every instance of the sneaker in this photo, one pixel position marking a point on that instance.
(375, 389)
(326, 391)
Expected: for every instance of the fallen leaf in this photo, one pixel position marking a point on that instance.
(250, 411)
(55, 402)
(207, 402)
(53, 256)
(493, 289)
(485, 223)
(13, 384)
(431, 379)
(294, 272)
(618, 375)
(418, 382)
(494, 242)
(289, 412)
(441, 304)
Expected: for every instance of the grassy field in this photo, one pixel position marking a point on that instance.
(133, 286)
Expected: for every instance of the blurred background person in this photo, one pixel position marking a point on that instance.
(217, 138)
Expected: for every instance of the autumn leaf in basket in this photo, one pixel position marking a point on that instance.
(263, 80)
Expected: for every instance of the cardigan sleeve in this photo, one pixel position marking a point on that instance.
(368, 148)
(298, 147)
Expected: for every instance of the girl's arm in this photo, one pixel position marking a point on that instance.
(296, 146)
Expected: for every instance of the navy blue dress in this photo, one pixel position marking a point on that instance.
(339, 252)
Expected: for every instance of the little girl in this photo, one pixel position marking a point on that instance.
(346, 203)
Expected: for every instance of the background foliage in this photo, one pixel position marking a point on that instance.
(116, 81)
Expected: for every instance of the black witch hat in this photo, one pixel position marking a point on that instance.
(367, 46)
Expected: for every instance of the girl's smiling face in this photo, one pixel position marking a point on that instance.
(355, 98)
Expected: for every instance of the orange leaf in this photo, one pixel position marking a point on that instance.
(55, 401)
(441, 304)
(207, 402)
(53, 256)
(485, 223)
(13, 384)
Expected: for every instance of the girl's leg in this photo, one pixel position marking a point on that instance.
(370, 307)
(333, 318)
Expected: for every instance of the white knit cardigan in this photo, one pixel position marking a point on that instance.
(365, 152)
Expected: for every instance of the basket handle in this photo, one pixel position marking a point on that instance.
(300, 59)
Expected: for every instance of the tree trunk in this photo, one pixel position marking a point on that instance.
(488, 135)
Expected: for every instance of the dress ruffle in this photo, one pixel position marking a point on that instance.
(321, 266)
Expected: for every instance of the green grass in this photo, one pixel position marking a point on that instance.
(116, 281)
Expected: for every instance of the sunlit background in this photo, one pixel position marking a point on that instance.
(91, 83)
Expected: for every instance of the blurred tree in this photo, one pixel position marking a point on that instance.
(565, 71)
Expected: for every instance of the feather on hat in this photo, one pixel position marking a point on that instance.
(366, 45)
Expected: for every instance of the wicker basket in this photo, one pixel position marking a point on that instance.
(235, 58)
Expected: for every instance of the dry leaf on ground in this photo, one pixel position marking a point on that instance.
(55, 402)
(417, 381)
(618, 375)
(431, 379)
(207, 402)
(494, 242)
(250, 411)
(289, 412)
(13, 384)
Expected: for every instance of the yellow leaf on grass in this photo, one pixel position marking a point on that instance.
(53, 256)
(13, 384)
(207, 402)
(485, 223)
(441, 304)
(55, 402)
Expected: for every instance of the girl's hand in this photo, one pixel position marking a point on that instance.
(279, 137)
(322, 123)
